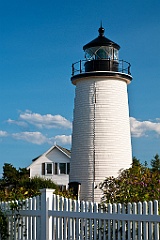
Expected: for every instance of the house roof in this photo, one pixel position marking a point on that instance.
(34, 159)
(63, 150)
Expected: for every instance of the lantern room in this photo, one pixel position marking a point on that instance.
(101, 54)
(102, 58)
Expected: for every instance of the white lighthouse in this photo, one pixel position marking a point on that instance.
(101, 141)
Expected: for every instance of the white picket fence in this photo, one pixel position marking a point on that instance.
(51, 217)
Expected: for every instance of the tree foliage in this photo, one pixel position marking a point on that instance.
(155, 163)
(12, 176)
(137, 183)
(16, 184)
(3, 226)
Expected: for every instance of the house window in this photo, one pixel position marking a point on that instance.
(49, 168)
(62, 168)
(55, 168)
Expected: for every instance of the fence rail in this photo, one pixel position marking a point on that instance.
(51, 217)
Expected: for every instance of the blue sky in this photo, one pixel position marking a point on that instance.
(39, 40)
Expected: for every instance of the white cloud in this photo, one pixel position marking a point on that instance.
(142, 128)
(62, 139)
(19, 123)
(3, 134)
(47, 121)
(39, 138)
(33, 137)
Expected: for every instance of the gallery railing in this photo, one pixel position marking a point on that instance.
(83, 66)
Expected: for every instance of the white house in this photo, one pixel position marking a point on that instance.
(54, 164)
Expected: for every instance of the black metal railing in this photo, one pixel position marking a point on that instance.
(83, 66)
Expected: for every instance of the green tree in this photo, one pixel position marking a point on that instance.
(12, 176)
(135, 184)
(136, 162)
(155, 163)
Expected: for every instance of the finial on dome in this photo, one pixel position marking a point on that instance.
(101, 30)
(101, 23)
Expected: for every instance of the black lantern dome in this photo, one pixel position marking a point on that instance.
(101, 40)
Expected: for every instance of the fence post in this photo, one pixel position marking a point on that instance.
(46, 204)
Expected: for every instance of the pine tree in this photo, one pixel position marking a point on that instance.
(155, 163)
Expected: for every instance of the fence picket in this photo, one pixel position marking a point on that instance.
(61, 218)
(78, 221)
(124, 223)
(70, 220)
(114, 223)
(139, 222)
(95, 221)
(87, 221)
(145, 226)
(57, 219)
(65, 218)
(134, 224)
(74, 221)
(91, 226)
(119, 222)
(109, 222)
(156, 224)
(129, 223)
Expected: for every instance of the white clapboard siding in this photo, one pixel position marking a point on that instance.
(51, 217)
(101, 141)
(53, 155)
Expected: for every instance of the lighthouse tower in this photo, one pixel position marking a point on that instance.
(101, 141)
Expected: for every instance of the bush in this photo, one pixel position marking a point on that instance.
(135, 184)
